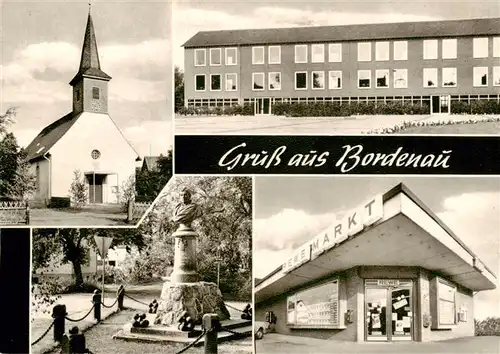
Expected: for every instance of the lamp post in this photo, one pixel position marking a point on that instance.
(218, 259)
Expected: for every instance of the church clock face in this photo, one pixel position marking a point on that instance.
(96, 105)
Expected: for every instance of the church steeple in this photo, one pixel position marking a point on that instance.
(90, 82)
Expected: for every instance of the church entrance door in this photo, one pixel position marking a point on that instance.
(95, 188)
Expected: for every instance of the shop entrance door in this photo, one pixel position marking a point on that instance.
(388, 310)
(262, 106)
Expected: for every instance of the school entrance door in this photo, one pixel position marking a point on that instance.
(388, 310)
(440, 104)
(262, 106)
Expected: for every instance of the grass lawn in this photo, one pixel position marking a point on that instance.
(99, 340)
(77, 217)
(474, 128)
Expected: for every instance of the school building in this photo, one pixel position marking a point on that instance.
(426, 63)
(391, 270)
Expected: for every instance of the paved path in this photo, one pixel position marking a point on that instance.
(77, 305)
(277, 343)
(254, 125)
(99, 341)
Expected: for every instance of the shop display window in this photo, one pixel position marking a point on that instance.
(317, 306)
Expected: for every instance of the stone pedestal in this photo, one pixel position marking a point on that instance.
(196, 299)
(185, 256)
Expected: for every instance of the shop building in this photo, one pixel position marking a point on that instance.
(391, 270)
(425, 63)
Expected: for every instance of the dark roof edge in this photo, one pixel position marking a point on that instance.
(450, 21)
(402, 188)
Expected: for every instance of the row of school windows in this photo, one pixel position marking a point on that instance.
(364, 53)
(383, 79)
(220, 102)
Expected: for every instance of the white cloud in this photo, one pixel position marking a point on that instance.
(128, 58)
(188, 21)
(41, 72)
(278, 235)
(265, 261)
(150, 137)
(475, 218)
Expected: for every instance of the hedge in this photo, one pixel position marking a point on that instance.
(335, 109)
(487, 327)
(59, 202)
(235, 110)
(475, 107)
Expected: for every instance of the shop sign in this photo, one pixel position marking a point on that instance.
(353, 223)
(393, 283)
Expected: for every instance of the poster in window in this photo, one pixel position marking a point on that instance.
(315, 306)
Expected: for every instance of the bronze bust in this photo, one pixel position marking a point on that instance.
(186, 212)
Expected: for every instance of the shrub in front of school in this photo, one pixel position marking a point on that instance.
(487, 327)
(475, 107)
(335, 109)
(234, 110)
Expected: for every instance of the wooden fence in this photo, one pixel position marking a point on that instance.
(14, 213)
(136, 210)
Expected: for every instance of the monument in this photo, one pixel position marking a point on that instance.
(184, 292)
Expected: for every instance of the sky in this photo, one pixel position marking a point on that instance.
(40, 54)
(290, 212)
(193, 16)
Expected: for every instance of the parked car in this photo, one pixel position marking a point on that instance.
(260, 328)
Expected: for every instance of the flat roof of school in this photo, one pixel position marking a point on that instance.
(321, 34)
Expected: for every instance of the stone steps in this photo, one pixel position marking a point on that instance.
(162, 334)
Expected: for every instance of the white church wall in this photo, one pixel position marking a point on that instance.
(73, 151)
(41, 169)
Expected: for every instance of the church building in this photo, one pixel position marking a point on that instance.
(86, 139)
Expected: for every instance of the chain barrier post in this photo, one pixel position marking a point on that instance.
(121, 295)
(96, 299)
(58, 314)
(211, 324)
(76, 341)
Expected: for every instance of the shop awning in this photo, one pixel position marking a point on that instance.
(408, 234)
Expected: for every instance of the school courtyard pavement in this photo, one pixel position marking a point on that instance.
(263, 125)
(277, 343)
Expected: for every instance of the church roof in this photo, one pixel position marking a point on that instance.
(50, 135)
(89, 61)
